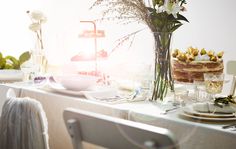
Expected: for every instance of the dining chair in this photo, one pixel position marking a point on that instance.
(23, 124)
(114, 133)
(231, 67)
(231, 70)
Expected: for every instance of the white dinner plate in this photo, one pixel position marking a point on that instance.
(94, 91)
(189, 112)
(208, 118)
(58, 88)
(68, 92)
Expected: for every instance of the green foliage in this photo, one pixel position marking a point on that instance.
(221, 101)
(10, 62)
(165, 22)
(2, 63)
(24, 57)
(158, 2)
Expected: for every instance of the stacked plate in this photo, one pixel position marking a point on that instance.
(73, 85)
(76, 82)
(210, 113)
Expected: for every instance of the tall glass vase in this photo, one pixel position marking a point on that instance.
(163, 80)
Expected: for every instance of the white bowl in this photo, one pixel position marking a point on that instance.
(76, 82)
(11, 75)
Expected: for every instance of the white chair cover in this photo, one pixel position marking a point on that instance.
(23, 124)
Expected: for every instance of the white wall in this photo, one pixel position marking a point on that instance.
(212, 26)
(14, 34)
(60, 31)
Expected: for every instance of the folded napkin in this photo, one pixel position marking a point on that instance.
(102, 94)
(212, 108)
(113, 96)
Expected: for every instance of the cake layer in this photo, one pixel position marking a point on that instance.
(188, 72)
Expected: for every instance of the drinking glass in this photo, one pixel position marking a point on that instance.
(27, 68)
(181, 97)
(200, 93)
(213, 83)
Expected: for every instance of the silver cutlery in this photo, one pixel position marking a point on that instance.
(135, 93)
(169, 110)
(229, 126)
(108, 98)
(130, 97)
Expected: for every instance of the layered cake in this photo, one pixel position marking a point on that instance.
(190, 66)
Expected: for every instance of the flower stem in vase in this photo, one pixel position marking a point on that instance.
(40, 61)
(162, 71)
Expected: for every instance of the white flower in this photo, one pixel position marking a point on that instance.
(38, 16)
(159, 8)
(171, 7)
(35, 27)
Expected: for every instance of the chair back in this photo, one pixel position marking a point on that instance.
(115, 133)
(23, 124)
(231, 67)
(231, 70)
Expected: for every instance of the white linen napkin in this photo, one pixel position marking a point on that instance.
(113, 96)
(102, 94)
(212, 108)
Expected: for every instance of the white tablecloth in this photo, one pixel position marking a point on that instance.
(54, 104)
(191, 134)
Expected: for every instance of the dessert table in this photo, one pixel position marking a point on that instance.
(191, 133)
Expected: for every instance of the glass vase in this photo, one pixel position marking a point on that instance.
(39, 61)
(163, 80)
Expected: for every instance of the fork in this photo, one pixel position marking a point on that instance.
(108, 98)
(135, 93)
(229, 126)
(169, 110)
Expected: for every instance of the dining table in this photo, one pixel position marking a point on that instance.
(191, 132)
